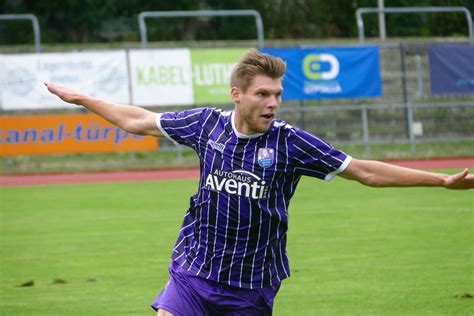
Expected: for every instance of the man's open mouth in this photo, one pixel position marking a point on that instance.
(267, 116)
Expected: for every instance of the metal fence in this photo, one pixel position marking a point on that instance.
(386, 124)
(382, 123)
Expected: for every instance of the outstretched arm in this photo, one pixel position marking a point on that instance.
(379, 174)
(133, 119)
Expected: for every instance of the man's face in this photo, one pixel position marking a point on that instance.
(257, 106)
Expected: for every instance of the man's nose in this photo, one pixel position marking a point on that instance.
(274, 101)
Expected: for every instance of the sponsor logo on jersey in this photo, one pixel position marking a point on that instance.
(216, 146)
(265, 157)
(237, 182)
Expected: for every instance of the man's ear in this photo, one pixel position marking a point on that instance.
(235, 94)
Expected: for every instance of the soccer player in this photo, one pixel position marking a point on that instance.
(230, 255)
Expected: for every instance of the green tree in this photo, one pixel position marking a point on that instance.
(70, 21)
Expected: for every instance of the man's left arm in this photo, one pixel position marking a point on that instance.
(380, 174)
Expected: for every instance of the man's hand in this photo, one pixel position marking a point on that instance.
(460, 181)
(63, 93)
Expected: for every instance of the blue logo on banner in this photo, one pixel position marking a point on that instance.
(265, 157)
(451, 68)
(323, 73)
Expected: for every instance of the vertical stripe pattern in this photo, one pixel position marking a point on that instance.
(234, 231)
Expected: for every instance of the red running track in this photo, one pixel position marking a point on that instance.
(192, 173)
(113, 176)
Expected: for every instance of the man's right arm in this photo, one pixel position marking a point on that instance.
(133, 119)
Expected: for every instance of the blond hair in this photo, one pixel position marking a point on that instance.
(255, 63)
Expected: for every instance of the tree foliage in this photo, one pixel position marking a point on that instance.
(72, 21)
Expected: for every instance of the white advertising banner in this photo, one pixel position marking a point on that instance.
(99, 74)
(161, 77)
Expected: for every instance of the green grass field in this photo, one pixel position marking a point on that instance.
(103, 249)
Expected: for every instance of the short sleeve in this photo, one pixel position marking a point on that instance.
(180, 127)
(316, 158)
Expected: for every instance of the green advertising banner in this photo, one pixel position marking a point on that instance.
(211, 72)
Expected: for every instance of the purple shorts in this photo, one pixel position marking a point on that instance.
(188, 295)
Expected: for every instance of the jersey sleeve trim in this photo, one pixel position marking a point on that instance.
(158, 123)
(344, 165)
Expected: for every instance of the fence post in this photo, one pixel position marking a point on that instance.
(419, 75)
(360, 11)
(35, 23)
(411, 135)
(179, 154)
(365, 128)
(302, 114)
(404, 88)
(199, 13)
(403, 73)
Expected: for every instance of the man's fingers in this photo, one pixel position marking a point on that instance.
(460, 180)
(50, 87)
(461, 175)
(59, 91)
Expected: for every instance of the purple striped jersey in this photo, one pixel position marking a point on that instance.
(234, 231)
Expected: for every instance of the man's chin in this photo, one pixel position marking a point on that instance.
(263, 128)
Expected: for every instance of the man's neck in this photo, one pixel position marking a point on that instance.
(241, 129)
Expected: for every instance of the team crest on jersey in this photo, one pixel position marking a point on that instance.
(265, 157)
